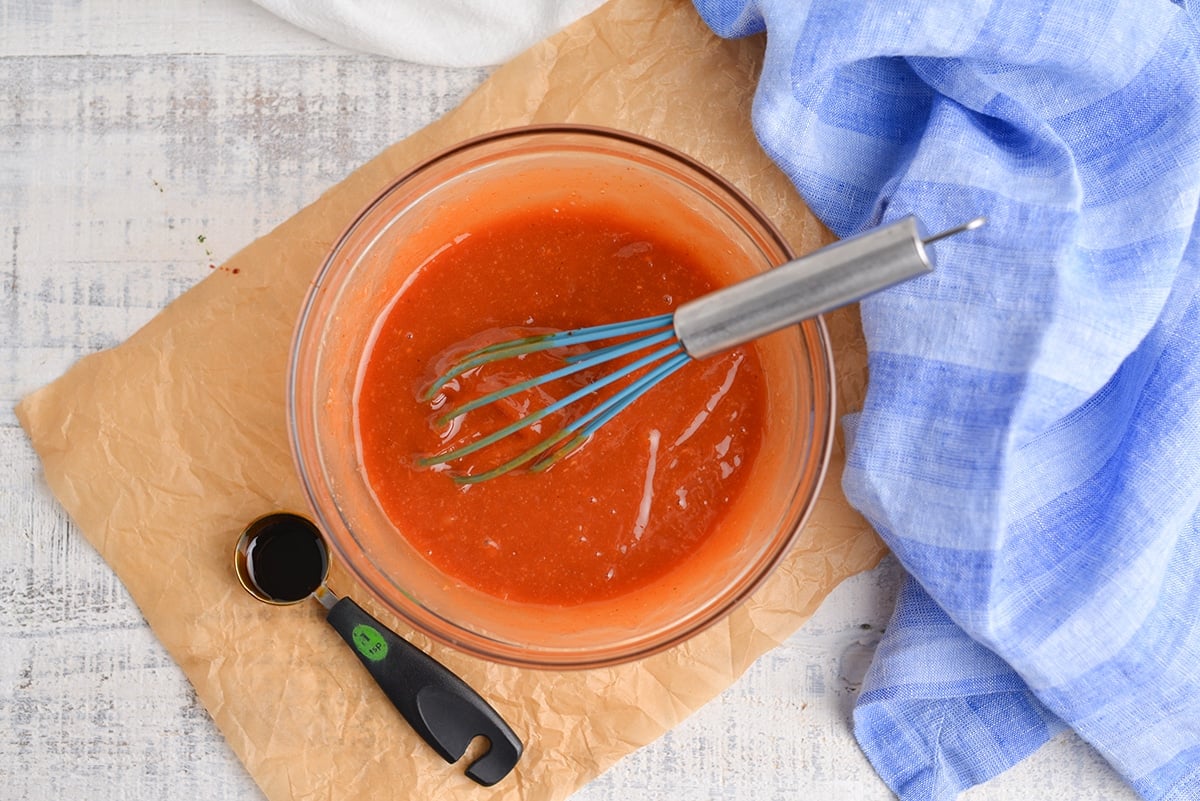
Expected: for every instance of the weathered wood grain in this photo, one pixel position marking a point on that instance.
(140, 145)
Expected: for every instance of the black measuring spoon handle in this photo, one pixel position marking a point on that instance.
(440, 706)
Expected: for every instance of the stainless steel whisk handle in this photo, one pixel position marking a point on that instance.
(834, 276)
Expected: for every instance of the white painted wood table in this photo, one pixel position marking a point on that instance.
(141, 143)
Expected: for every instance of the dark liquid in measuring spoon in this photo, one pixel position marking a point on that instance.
(286, 560)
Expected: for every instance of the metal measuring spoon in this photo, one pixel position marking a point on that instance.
(282, 559)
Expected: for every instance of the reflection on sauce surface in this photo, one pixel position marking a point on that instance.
(620, 511)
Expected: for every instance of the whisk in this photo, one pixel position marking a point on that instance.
(834, 276)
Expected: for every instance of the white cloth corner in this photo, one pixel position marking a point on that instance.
(449, 33)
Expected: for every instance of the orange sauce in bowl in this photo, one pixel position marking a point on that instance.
(620, 512)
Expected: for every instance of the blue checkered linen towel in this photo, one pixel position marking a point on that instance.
(1029, 445)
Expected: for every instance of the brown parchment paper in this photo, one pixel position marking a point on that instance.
(163, 448)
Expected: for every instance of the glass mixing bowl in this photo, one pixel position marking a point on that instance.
(465, 187)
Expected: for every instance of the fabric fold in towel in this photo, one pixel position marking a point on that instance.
(448, 33)
(1030, 442)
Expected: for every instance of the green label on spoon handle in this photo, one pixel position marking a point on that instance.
(369, 642)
